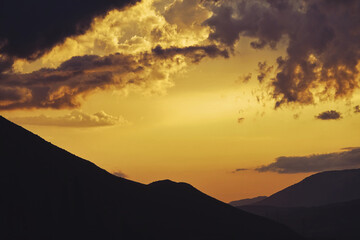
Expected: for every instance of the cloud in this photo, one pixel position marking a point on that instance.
(322, 57)
(5, 63)
(196, 53)
(119, 174)
(29, 29)
(350, 158)
(74, 79)
(321, 62)
(119, 52)
(74, 119)
(60, 88)
(329, 115)
(264, 71)
(186, 14)
(244, 78)
(357, 109)
(240, 120)
(239, 170)
(296, 115)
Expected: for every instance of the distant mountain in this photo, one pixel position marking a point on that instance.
(247, 201)
(323, 206)
(48, 193)
(338, 221)
(319, 189)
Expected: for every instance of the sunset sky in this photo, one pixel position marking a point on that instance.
(237, 98)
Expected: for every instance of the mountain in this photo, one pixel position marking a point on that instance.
(48, 193)
(338, 221)
(247, 201)
(319, 189)
(325, 205)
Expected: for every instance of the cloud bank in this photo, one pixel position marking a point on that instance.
(146, 44)
(74, 119)
(323, 37)
(347, 159)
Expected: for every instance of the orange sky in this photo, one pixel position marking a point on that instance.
(185, 124)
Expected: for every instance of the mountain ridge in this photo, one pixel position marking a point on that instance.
(247, 201)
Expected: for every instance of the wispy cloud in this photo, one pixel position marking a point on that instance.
(119, 174)
(349, 158)
(74, 119)
(240, 120)
(239, 170)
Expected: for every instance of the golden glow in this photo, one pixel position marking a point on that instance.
(190, 132)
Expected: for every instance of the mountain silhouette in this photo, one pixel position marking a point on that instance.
(323, 206)
(49, 193)
(319, 189)
(247, 201)
(339, 221)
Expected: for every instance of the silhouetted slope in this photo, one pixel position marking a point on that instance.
(338, 221)
(247, 201)
(48, 193)
(319, 189)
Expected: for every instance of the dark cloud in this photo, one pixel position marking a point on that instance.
(61, 87)
(264, 70)
(5, 63)
(10, 95)
(196, 53)
(350, 158)
(239, 170)
(66, 85)
(329, 115)
(244, 78)
(30, 28)
(74, 119)
(119, 174)
(323, 43)
(357, 109)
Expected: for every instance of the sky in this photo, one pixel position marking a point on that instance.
(237, 98)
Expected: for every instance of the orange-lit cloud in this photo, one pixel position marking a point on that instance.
(64, 86)
(120, 51)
